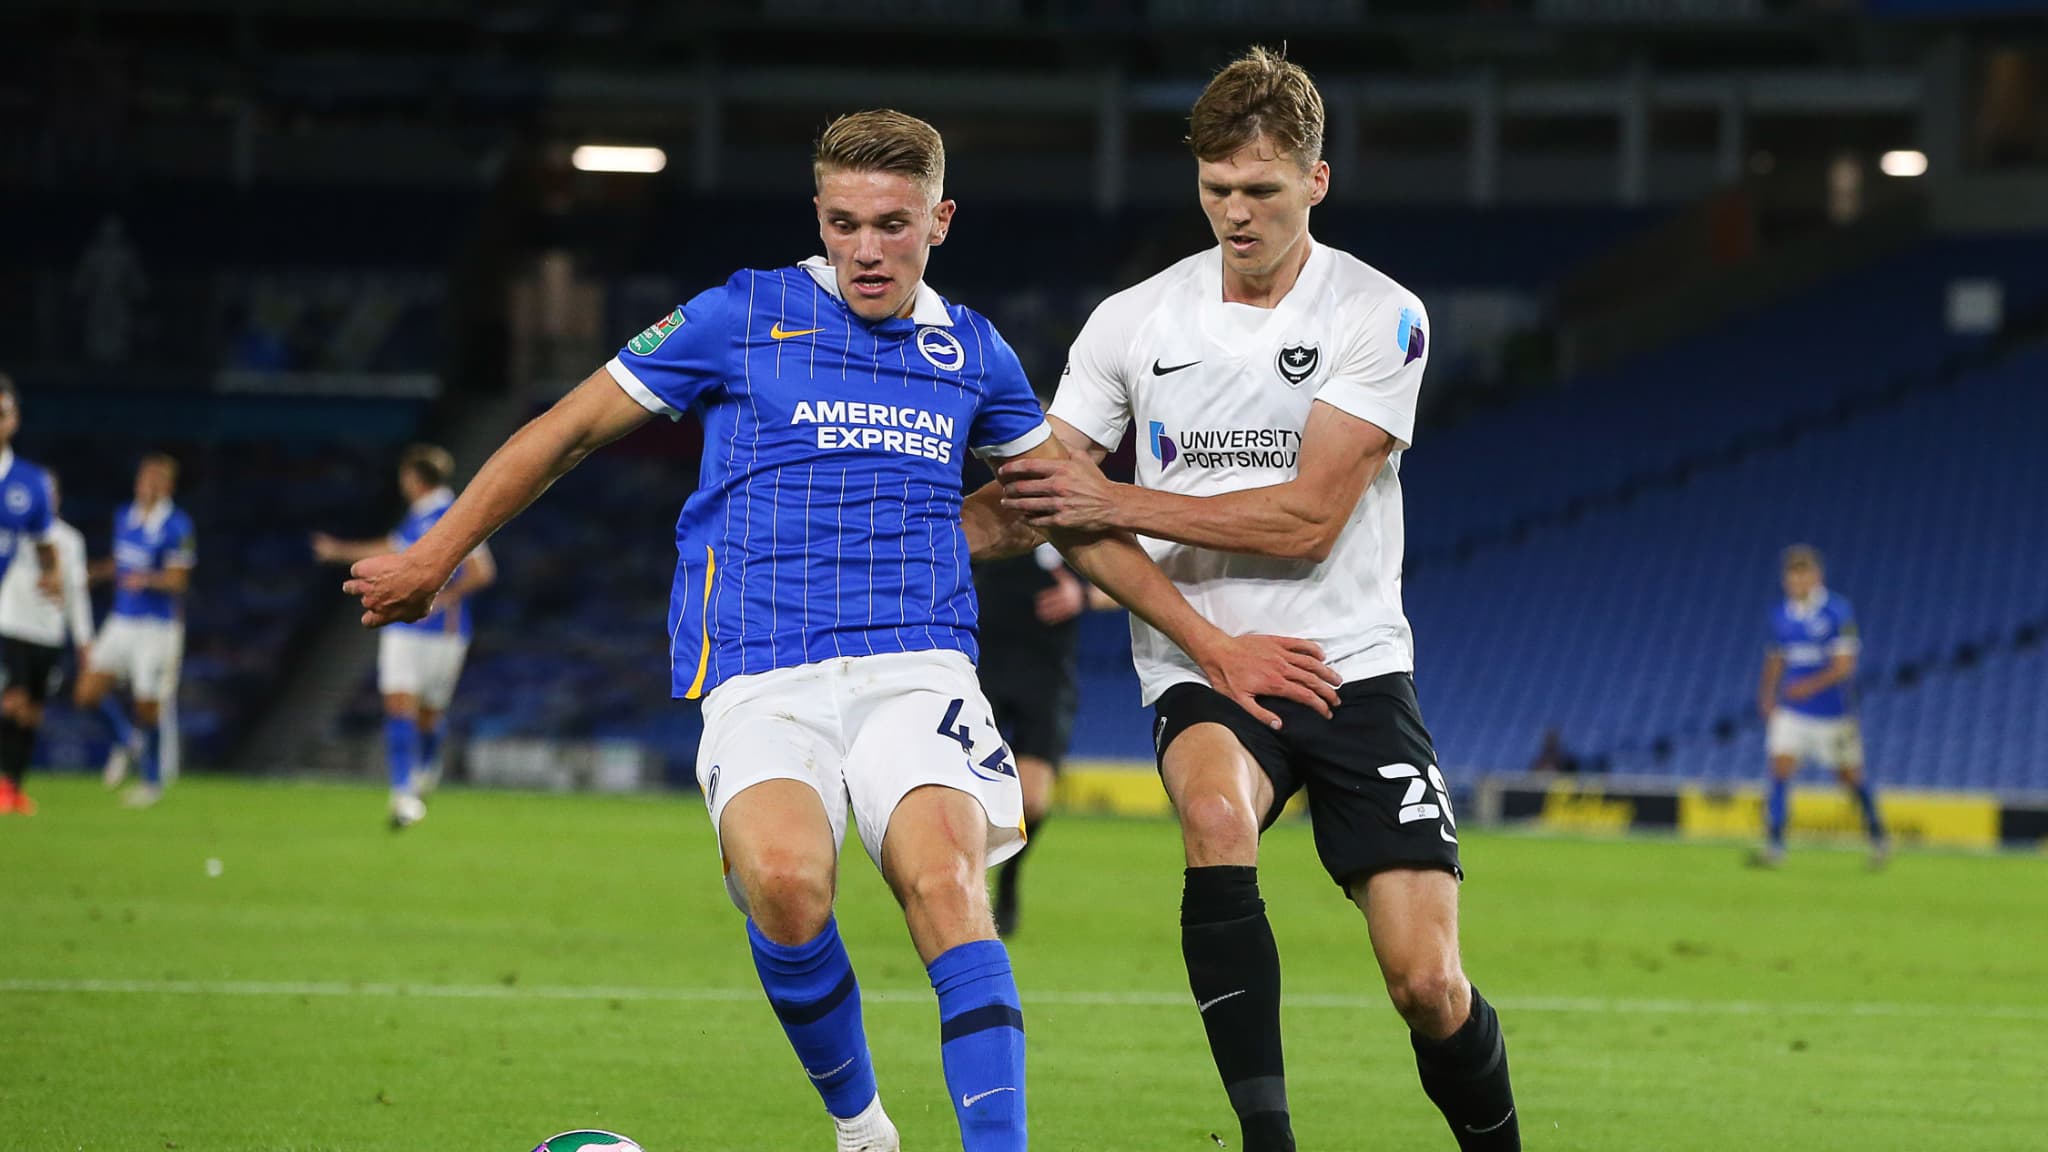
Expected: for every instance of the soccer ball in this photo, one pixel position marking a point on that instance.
(588, 1140)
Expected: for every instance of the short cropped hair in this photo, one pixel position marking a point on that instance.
(164, 460)
(1261, 93)
(1799, 556)
(883, 140)
(433, 464)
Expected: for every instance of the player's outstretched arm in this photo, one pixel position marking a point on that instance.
(334, 550)
(402, 585)
(1296, 520)
(997, 533)
(1241, 667)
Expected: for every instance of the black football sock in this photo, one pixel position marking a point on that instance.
(1006, 879)
(1466, 1076)
(17, 744)
(1234, 972)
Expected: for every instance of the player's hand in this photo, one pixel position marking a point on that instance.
(1069, 493)
(1063, 601)
(51, 585)
(1247, 667)
(1765, 709)
(326, 548)
(395, 587)
(1804, 689)
(134, 581)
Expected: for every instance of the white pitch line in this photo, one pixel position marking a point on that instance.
(1570, 1005)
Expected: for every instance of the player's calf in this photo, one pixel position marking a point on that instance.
(933, 857)
(1460, 1054)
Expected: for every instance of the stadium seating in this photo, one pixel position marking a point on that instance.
(256, 584)
(1638, 630)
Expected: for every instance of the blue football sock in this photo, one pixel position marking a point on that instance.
(1779, 801)
(981, 1044)
(1873, 821)
(401, 750)
(118, 724)
(812, 989)
(430, 748)
(150, 766)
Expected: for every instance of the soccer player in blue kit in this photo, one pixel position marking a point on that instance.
(418, 662)
(824, 612)
(143, 641)
(1807, 697)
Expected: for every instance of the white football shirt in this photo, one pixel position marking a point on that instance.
(1220, 394)
(27, 614)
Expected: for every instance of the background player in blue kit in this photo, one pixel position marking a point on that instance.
(143, 641)
(418, 662)
(1807, 696)
(26, 516)
(823, 611)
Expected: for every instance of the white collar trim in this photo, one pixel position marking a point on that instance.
(439, 498)
(6, 460)
(1805, 609)
(929, 308)
(152, 517)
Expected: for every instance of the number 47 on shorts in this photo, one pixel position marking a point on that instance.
(950, 727)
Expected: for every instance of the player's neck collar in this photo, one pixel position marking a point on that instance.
(152, 517)
(1810, 605)
(1311, 264)
(439, 497)
(928, 306)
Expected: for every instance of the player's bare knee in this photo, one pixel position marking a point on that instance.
(1218, 828)
(402, 705)
(1432, 997)
(789, 895)
(146, 712)
(944, 889)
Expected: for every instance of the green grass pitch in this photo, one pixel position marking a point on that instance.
(523, 964)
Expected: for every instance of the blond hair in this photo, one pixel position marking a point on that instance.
(1259, 94)
(883, 140)
(433, 464)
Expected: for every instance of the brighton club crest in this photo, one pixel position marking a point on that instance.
(1297, 362)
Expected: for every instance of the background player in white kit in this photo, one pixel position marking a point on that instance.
(418, 662)
(1273, 384)
(143, 641)
(29, 554)
(822, 607)
(34, 629)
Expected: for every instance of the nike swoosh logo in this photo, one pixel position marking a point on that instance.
(1490, 1127)
(1205, 1005)
(832, 1073)
(967, 1101)
(780, 333)
(1159, 369)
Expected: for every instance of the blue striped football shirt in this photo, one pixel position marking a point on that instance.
(826, 520)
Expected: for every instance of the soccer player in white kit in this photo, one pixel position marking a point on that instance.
(143, 642)
(1272, 382)
(31, 553)
(418, 662)
(823, 610)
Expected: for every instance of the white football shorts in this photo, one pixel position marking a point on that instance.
(863, 731)
(1836, 743)
(420, 663)
(142, 652)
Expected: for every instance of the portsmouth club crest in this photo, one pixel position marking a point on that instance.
(1298, 362)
